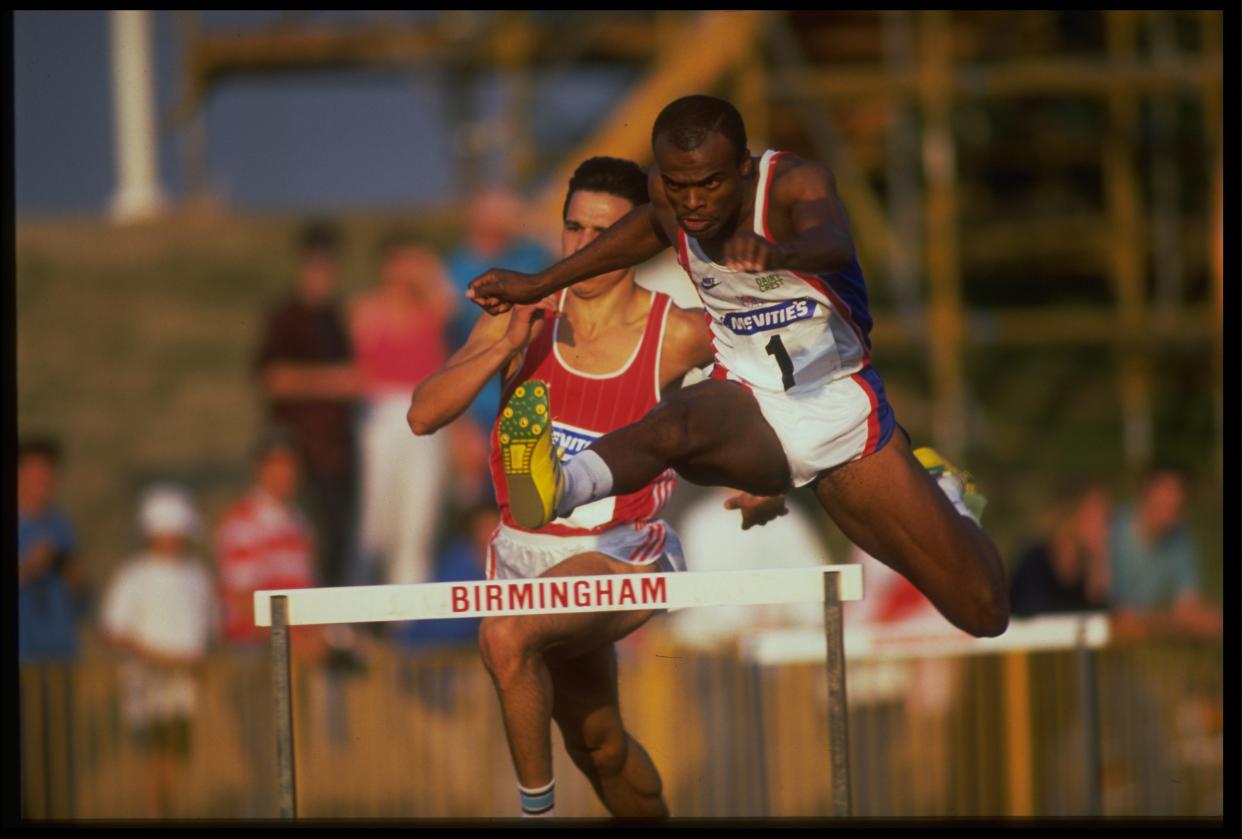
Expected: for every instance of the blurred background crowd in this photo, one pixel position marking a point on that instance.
(215, 354)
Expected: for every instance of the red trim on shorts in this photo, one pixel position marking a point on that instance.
(653, 546)
(637, 554)
(873, 419)
(659, 548)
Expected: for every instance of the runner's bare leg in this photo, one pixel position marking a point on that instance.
(714, 434)
(516, 650)
(587, 709)
(888, 505)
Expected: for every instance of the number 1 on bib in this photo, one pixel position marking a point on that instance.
(776, 348)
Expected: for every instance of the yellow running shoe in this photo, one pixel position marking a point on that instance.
(532, 469)
(956, 483)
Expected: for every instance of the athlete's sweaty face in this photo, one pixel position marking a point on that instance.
(588, 215)
(706, 185)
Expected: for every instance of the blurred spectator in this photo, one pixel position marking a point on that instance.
(1154, 591)
(160, 610)
(50, 586)
(264, 542)
(713, 538)
(493, 239)
(463, 558)
(1155, 586)
(305, 365)
(1068, 570)
(398, 332)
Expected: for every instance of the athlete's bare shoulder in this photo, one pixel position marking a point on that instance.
(687, 343)
(804, 195)
(797, 179)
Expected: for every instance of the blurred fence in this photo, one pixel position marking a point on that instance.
(421, 736)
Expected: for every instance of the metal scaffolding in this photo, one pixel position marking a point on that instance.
(883, 98)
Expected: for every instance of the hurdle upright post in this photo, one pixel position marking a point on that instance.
(284, 708)
(838, 717)
(1087, 697)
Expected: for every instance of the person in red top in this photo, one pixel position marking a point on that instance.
(398, 331)
(264, 542)
(610, 350)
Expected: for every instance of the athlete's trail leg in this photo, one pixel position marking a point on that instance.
(588, 712)
(890, 507)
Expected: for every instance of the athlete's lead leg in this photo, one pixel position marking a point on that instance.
(712, 433)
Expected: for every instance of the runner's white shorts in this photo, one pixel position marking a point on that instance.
(518, 554)
(825, 425)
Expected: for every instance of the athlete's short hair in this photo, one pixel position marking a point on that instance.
(611, 175)
(688, 120)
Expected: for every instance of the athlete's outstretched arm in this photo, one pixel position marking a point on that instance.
(635, 238)
(493, 345)
(806, 210)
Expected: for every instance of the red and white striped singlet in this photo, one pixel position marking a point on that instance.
(586, 406)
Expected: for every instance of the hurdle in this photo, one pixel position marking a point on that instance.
(1083, 633)
(831, 585)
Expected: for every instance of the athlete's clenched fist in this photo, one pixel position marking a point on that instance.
(497, 289)
(750, 252)
(756, 509)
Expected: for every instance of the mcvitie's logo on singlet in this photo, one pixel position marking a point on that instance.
(568, 440)
(773, 317)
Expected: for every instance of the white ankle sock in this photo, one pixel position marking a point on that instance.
(952, 487)
(538, 803)
(587, 478)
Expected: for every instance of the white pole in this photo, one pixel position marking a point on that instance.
(138, 194)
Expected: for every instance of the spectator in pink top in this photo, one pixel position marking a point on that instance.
(398, 331)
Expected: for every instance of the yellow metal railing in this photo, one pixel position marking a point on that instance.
(421, 736)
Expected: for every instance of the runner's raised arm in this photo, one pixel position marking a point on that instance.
(634, 239)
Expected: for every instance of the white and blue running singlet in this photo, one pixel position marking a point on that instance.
(780, 330)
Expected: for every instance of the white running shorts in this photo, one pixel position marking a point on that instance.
(517, 554)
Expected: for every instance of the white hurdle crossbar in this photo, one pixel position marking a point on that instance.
(829, 584)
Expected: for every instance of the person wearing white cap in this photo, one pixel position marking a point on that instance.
(160, 610)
